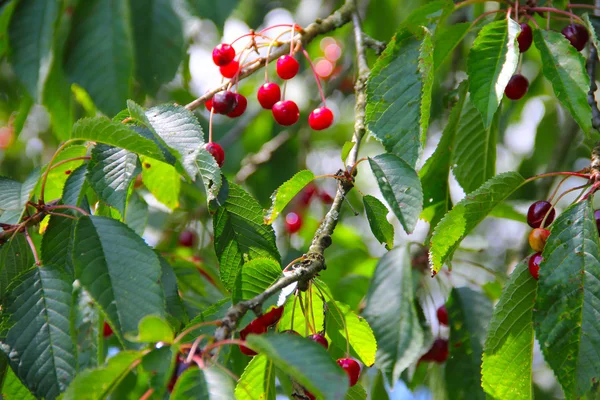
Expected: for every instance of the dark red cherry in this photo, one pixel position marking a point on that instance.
(268, 94)
(326, 198)
(577, 35)
(286, 112)
(271, 317)
(525, 37)
(442, 315)
(538, 238)
(240, 107)
(223, 54)
(534, 265)
(351, 367)
(320, 118)
(287, 67)
(597, 218)
(208, 104)
(293, 222)
(517, 87)
(187, 238)
(106, 330)
(217, 152)
(537, 211)
(224, 102)
(255, 327)
(230, 70)
(317, 337)
(438, 352)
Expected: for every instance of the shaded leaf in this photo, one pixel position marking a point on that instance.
(136, 213)
(377, 216)
(255, 277)
(215, 11)
(446, 39)
(257, 381)
(286, 192)
(207, 384)
(210, 173)
(15, 258)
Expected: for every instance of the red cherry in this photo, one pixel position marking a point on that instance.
(223, 54)
(309, 395)
(326, 198)
(525, 38)
(538, 238)
(537, 211)
(442, 315)
(293, 222)
(268, 94)
(286, 112)
(271, 317)
(255, 327)
(517, 87)
(208, 104)
(224, 102)
(320, 118)
(187, 238)
(106, 330)
(577, 35)
(230, 70)
(317, 337)
(240, 107)
(534, 265)
(287, 67)
(597, 218)
(438, 351)
(307, 194)
(217, 152)
(352, 369)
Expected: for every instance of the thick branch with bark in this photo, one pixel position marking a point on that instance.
(314, 260)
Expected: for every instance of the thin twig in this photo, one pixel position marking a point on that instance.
(374, 44)
(251, 162)
(63, 206)
(32, 246)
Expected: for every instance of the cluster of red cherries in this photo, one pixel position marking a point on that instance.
(293, 219)
(261, 325)
(518, 85)
(270, 95)
(438, 352)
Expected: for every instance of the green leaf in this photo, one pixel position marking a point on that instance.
(567, 299)
(474, 157)
(108, 257)
(6, 12)
(162, 180)
(506, 371)
(175, 307)
(469, 313)
(31, 34)
(58, 98)
(377, 216)
(136, 213)
(286, 192)
(153, 329)
(348, 146)
(356, 392)
(111, 172)
(399, 94)
(158, 39)
(75, 187)
(592, 23)
(445, 41)
(58, 175)
(175, 128)
(257, 381)
(15, 258)
(100, 55)
(400, 187)
(210, 173)
(255, 277)
(159, 365)
(38, 342)
(97, 383)
(564, 67)
(361, 339)
(207, 384)
(241, 235)
(492, 61)
(217, 12)
(305, 360)
(506, 211)
(13, 388)
(313, 303)
(392, 315)
(105, 131)
(14, 195)
(467, 214)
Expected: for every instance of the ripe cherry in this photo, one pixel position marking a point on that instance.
(208, 104)
(287, 67)
(317, 337)
(326, 198)
(240, 107)
(230, 70)
(525, 38)
(442, 315)
(255, 327)
(536, 213)
(268, 94)
(309, 395)
(438, 352)
(577, 35)
(320, 118)
(187, 238)
(597, 218)
(538, 238)
(534, 265)
(352, 369)
(271, 317)
(517, 87)
(293, 222)
(223, 54)
(307, 194)
(224, 102)
(106, 330)
(286, 112)
(217, 152)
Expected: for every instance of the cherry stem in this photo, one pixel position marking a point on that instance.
(147, 395)
(563, 180)
(252, 34)
(556, 11)
(577, 174)
(485, 14)
(342, 317)
(529, 17)
(469, 2)
(294, 309)
(66, 206)
(296, 261)
(210, 124)
(269, 53)
(194, 327)
(307, 325)
(312, 68)
(63, 215)
(58, 164)
(593, 189)
(45, 176)
(296, 27)
(543, 224)
(223, 343)
(193, 349)
(292, 39)
(592, 7)
(311, 305)
(38, 262)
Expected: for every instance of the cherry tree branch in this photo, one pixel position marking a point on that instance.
(340, 17)
(251, 162)
(314, 261)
